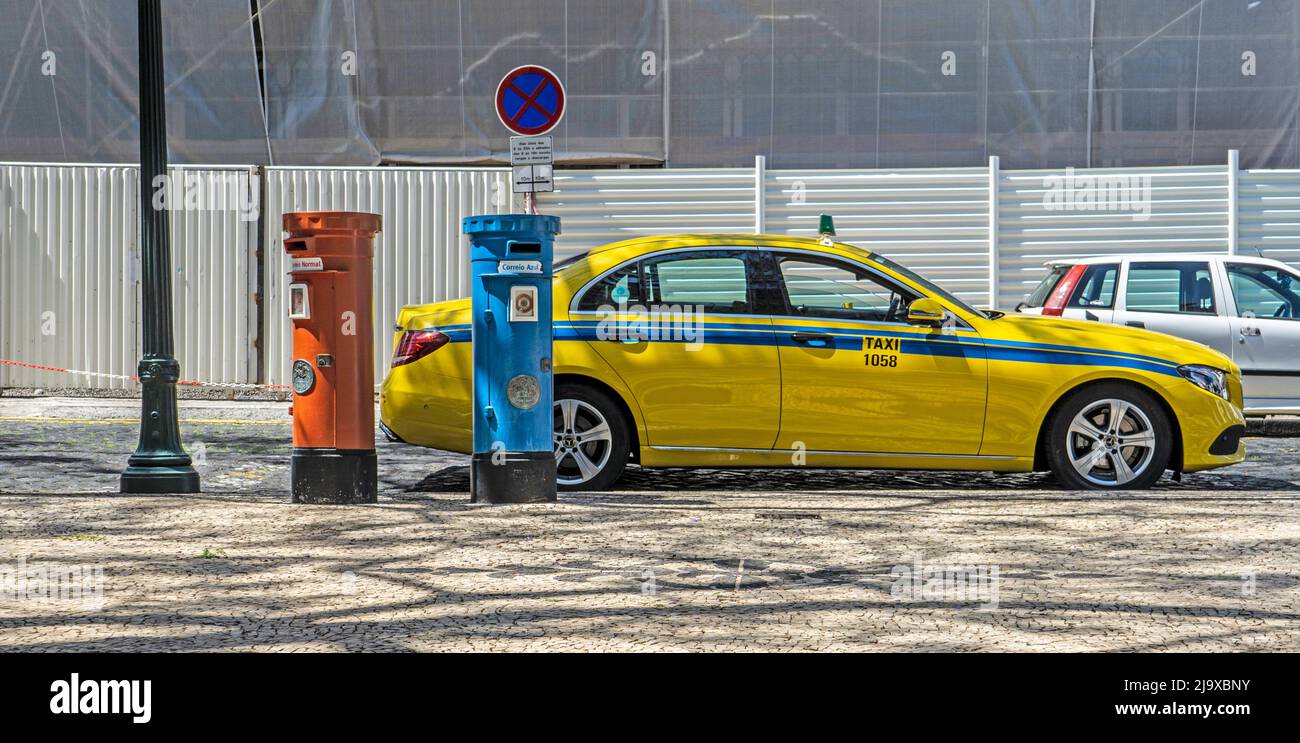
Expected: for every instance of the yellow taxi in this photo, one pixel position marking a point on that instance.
(773, 351)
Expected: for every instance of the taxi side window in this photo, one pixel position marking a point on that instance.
(713, 282)
(1175, 287)
(828, 289)
(623, 287)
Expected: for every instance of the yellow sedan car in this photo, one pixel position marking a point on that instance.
(764, 351)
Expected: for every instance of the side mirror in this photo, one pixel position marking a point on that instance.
(925, 311)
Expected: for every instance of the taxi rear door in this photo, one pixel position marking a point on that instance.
(857, 379)
(682, 331)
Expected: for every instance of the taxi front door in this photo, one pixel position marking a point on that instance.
(857, 379)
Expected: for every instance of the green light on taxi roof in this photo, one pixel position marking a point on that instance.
(826, 225)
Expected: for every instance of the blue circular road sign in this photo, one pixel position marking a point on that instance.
(530, 100)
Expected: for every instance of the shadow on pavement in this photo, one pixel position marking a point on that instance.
(455, 479)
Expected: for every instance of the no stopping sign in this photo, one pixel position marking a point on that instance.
(530, 100)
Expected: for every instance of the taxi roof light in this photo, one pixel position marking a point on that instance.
(826, 225)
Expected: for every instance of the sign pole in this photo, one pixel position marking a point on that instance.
(159, 464)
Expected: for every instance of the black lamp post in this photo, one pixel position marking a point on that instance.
(159, 464)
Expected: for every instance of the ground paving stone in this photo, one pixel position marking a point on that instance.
(676, 560)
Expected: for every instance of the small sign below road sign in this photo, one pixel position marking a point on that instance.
(530, 151)
(532, 179)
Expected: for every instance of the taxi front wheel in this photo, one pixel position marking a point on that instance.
(1109, 437)
(591, 439)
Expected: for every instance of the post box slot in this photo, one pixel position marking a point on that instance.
(295, 245)
(515, 247)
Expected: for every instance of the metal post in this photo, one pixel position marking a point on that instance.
(760, 194)
(1234, 175)
(1092, 78)
(6, 220)
(159, 464)
(994, 260)
(667, 68)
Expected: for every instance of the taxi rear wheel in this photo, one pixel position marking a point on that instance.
(1109, 437)
(590, 438)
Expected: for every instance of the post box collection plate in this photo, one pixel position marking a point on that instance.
(304, 377)
(523, 391)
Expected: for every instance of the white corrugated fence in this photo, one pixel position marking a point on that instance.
(69, 245)
(70, 273)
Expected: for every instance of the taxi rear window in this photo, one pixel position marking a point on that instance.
(623, 287)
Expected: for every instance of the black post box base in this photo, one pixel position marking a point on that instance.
(516, 477)
(335, 476)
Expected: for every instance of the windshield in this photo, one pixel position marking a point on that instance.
(1038, 297)
(921, 281)
(570, 260)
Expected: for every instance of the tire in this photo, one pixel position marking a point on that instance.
(1085, 452)
(597, 463)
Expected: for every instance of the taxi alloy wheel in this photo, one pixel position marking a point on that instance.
(1110, 437)
(590, 439)
(1111, 442)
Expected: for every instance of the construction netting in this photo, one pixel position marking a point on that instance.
(702, 83)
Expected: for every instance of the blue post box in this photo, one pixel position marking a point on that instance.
(510, 260)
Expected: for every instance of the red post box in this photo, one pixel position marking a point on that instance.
(333, 377)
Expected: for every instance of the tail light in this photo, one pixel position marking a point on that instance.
(416, 344)
(1055, 304)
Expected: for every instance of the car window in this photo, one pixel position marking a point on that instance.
(826, 288)
(1039, 295)
(714, 282)
(619, 288)
(1096, 288)
(1177, 287)
(930, 286)
(571, 260)
(1264, 291)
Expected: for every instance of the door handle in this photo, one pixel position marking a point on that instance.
(1136, 324)
(806, 338)
(1245, 331)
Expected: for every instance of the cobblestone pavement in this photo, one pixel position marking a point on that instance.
(676, 560)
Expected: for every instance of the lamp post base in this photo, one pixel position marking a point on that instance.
(159, 479)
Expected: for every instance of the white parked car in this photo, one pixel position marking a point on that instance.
(1247, 308)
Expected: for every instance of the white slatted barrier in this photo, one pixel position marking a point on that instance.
(933, 221)
(69, 242)
(70, 273)
(1048, 214)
